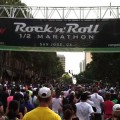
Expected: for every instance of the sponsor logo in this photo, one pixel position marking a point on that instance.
(68, 28)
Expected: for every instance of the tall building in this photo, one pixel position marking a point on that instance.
(62, 60)
(82, 66)
(84, 62)
(88, 58)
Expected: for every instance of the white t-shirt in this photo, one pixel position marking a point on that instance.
(84, 110)
(97, 99)
(56, 104)
(91, 103)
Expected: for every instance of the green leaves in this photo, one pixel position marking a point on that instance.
(10, 2)
(44, 64)
(104, 66)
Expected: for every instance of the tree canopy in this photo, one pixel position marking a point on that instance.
(18, 13)
(11, 2)
(104, 66)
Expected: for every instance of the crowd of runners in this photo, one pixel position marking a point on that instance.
(53, 101)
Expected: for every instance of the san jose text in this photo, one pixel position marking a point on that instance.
(45, 44)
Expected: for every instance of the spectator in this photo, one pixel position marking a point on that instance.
(20, 98)
(13, 111)
(107, 106)
(84, 110)
(57, 103)
(98, 101)
(1, 110)
(118, 97)
(27, 104)
(4, 96)
(10, 98)
(69, 112)
(116, 113)
(72, 98)
(33, 98)
(43, 112)
(90, 101)
(115, 99)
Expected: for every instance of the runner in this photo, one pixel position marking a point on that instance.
(43, 112)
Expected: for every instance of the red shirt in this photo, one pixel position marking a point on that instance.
(9, 99)
(107, 107)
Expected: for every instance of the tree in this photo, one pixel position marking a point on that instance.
(44, 64)
(105, 66)
(11, 2)
(18, 13)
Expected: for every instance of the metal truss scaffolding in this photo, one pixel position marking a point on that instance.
(99, 12)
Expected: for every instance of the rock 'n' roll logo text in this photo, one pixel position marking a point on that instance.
(68, 28)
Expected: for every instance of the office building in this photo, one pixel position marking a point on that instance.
(88, 57)
(62, 60)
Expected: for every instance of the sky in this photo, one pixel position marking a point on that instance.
(73, 3)
(73, 59)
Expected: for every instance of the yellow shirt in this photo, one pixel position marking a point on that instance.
(41, 113)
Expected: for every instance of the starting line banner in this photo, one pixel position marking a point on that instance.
(58, 35)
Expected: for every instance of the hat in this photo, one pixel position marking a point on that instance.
(79, 86)
(116, 107)
(116, 111)
(44, 92)
(72, 92)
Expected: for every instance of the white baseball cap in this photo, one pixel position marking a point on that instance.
(44, 92)
(72, 92)
(116, 106)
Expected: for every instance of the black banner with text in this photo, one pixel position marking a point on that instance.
(60, 33)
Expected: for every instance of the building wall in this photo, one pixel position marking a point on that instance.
(62, 60)
(82, 66)
(88, 58)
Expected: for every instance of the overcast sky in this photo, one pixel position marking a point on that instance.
(73, 3)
